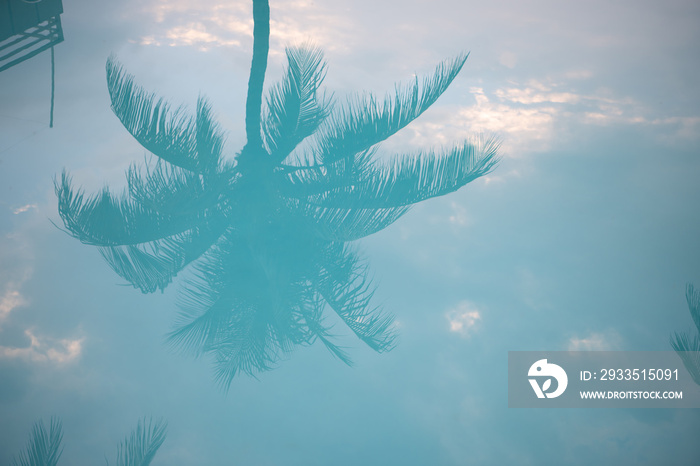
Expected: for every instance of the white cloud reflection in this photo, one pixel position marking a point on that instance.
(536, 116)
(24, 208)
(44, 349)
(595, 341)
(10, 300)
(463, 319)
(230, 24)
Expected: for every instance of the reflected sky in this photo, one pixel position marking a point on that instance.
(583, 238)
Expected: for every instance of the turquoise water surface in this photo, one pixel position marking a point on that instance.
(311, 238)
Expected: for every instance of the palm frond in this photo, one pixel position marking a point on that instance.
(209, 138)
(152, 266)
(248, 350)
(347, 290)
(238, 334)
(366, 120)
(311, 180)
(688, 349)
(371, 324)
(176, 192)
(692, 297)
(347, 224)
(411, 179)
(207, 306)
(238, 310)
(195, 330)
(193, 144)
(107, 220)
(241, 339)
(313, 318)
(141, 446)
(294, 110)
(44, 447)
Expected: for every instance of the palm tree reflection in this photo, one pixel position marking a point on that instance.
(267, 238)
(45, 447)
(687, 347)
